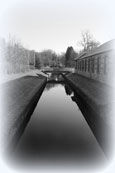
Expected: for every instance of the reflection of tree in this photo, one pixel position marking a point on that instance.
(51, 85)
(68, 90)
(80, 103)
(73, 98)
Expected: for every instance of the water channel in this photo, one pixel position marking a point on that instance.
(57, 132)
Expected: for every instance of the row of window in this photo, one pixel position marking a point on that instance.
(92, 65)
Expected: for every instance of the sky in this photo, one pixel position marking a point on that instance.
(56, 24)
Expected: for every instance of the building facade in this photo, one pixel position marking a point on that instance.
(98, 64)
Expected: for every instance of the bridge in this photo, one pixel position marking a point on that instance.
(56, 71)
(55, 74)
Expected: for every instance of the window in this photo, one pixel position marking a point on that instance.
(85, 64)
(82, 65)
(93, 65)
(78, 65)
(105, 65)
(98, 65)
(88, 65)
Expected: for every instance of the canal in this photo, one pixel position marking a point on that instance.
(58, 133)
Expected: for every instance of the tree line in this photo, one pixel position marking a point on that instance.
(14, 58)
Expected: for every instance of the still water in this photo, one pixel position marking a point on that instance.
(57, 131)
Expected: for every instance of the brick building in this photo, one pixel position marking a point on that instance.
(98, 64)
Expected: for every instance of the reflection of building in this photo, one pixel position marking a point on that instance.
(98, 64)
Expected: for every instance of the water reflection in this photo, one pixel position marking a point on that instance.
(68, 90)
(49, 86)
(58, 132)
(55, 77)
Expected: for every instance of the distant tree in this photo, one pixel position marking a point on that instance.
(37, 61)
(87, 41)
(69, 57)
(62, 59)
(32, 55)
(48, 58)
(45, 57)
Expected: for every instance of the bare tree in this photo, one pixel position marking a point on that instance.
(48, 58)
(15, 58)
(87, 41)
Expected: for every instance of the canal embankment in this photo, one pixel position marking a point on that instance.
(95, 101)
(19, 98)
(57, 133)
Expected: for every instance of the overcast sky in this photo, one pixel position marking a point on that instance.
(56, 24)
